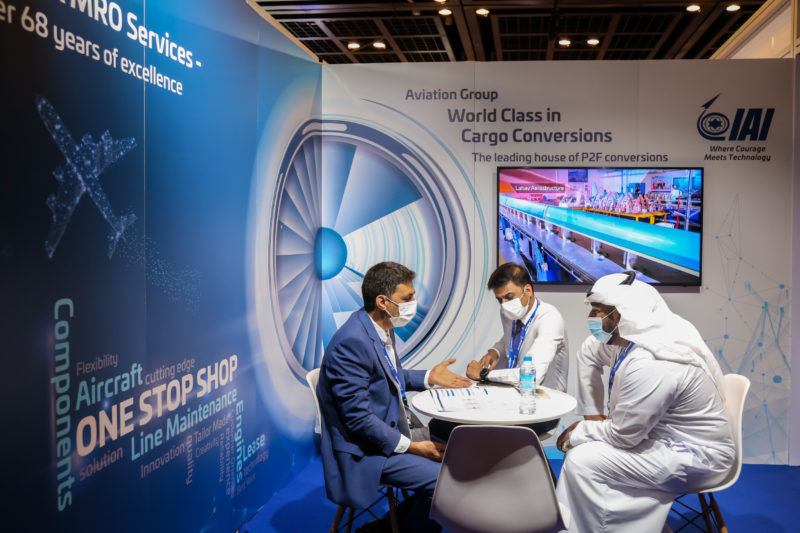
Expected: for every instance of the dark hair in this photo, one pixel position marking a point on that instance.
(509, 272)
(383, 279)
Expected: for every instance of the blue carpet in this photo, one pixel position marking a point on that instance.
(763, 499)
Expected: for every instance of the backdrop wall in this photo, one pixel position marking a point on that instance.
(647, 114)
(129, 142)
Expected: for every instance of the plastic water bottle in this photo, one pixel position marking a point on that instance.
(527, 386)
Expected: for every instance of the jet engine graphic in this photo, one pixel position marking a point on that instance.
(349, 195)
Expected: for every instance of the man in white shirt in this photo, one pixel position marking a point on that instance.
(666, 432)
(530, 327)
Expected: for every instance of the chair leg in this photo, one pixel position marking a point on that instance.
(350, 520)
(706, 512)
(337, 518)
(392, 509)
(717, 514)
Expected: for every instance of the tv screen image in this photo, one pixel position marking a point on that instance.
(575, 225)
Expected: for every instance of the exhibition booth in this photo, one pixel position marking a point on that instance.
(190, 201)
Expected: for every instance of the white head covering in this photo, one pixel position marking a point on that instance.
(645, 319)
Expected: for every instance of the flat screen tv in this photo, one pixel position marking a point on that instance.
(573, 225)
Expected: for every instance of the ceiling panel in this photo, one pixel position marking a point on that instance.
(514, 30)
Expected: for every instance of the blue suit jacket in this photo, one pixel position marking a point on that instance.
(360, 408)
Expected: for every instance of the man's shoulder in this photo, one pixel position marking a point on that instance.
(354, 324)
(640, 353)
(548, 308)
(650, 371)
(353, 332)
(640, 358)
(602, 350)
(549, 314)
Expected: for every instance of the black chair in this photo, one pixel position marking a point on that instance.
(385, 491)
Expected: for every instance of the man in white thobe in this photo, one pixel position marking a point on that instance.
(666, 432)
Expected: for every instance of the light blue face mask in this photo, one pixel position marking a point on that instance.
(596, 328)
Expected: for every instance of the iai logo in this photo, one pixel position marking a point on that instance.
(748, 124)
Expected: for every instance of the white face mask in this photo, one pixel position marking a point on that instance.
(514, 310)
(407, 310)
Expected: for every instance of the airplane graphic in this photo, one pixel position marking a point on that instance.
(81, 174)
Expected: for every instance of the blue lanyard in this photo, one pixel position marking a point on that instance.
(402, 389)
(618, 362)
(513, 352)
(396, 377)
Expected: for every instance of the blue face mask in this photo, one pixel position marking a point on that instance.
(596, 328)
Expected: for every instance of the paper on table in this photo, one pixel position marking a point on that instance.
(509, 376)
(474, 398)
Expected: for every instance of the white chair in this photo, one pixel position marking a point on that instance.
(496, 479)
(312, 377)
(735, 388)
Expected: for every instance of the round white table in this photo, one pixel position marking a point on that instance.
(550, 405)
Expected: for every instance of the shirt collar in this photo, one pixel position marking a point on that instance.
(530, 311)
(382, 333)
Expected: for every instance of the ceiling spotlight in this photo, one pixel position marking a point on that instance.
(444, 11)
(353, 46)
(440, 1)
(592, 41)
(693, 8)
(380, 45)
(482, 12)
(564, 42)
(733, 7)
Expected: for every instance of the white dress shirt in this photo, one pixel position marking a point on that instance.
(405, 442)
(545, 341)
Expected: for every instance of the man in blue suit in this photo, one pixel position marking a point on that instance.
(366, 433)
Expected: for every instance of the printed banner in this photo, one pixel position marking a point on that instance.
(130, 143)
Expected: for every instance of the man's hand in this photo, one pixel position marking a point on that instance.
(563, 439)
(487, 361)
(426, 448)
(441, 375)
(474, 370)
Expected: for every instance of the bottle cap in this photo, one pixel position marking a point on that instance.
(527, 358)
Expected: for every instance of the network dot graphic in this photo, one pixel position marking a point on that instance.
(755, 310)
